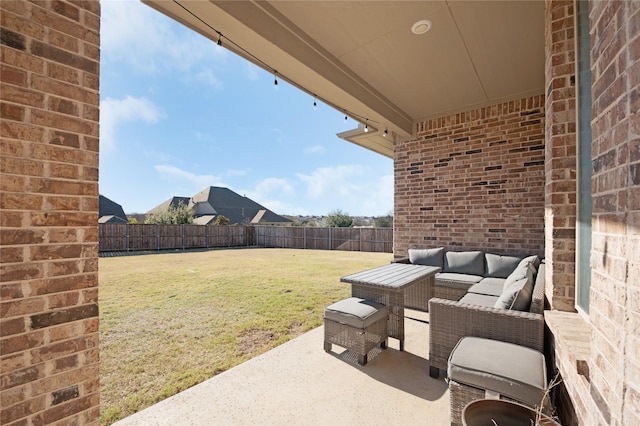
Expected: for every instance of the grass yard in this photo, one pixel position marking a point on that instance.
(170, 321)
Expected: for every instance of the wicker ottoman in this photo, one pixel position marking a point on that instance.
(483, 368)
(356, 324)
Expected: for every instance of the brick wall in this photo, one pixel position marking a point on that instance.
(49, 110)
(560, 168)
(473, 180)
(615, 258)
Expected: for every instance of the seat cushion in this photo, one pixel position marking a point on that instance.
(464, 262)
(488, 286)
(457, 280)
(500, 265)
(479, 299)
(428, 257)
(356, 312)
(511, 370)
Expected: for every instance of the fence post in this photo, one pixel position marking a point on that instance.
(127, 238)
(182, 232)
(330, 239)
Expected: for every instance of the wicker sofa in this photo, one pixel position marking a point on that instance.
(485, 295)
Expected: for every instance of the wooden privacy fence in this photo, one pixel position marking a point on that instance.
(144, 237)
(348, 239)
(125, 237)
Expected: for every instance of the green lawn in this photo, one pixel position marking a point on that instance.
(169, 321)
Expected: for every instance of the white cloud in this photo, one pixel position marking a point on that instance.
(332, 180)
(355, 189)
(134, 33)
(271, 185)
(113, 112)
(172, 173)
(316, 149)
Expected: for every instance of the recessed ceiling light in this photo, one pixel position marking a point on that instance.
(421, 26)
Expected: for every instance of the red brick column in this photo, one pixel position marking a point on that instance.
(49, 110)
(615, 259)
(560, 167)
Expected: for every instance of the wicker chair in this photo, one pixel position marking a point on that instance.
(452, 320)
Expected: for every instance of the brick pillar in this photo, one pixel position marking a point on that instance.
(560, 146)
(49, 110)
(615, 258)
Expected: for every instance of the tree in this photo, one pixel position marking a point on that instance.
(383, 221)
(181, 214)
(337, 218)
(220, 220)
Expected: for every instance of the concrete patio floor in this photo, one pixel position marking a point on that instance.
(298, 383)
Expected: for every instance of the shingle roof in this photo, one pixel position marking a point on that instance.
(110, 211)
(216, 200)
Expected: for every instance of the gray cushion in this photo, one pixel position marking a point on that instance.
(457, 280)
(488, 286)
(428, 257)
(479, 299)
(500, 266)
(526, 265)
(464, 262)
(517, 295)
(511, 370)
(356, 312)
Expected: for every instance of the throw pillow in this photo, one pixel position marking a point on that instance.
(517, 296)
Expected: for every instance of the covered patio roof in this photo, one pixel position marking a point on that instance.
(362, 58)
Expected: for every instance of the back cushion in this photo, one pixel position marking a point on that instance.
(517, 296)
(500, 266)
(530, 263)
(428, 257)
(464, 262)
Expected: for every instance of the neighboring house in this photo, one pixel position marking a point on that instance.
(110, 211)
(214, 201)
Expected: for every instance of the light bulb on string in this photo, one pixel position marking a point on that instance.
(385, 133)
(366, 126)
(219, 39)
(275, 78)
(315, 104)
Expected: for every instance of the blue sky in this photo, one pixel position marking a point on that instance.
(178, 114)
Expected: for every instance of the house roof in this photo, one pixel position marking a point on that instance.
(362, 58)
(214, 200)
(109, 211)
(171, 202)
(235, 207)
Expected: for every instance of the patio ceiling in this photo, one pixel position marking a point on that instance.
(362, 57)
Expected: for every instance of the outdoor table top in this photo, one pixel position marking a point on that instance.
(392, 276)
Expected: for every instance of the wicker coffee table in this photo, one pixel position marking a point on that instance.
(389, 285)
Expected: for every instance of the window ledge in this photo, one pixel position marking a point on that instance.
(572, 338)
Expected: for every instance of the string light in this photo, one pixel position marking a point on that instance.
(266, 66)
(385, 133)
